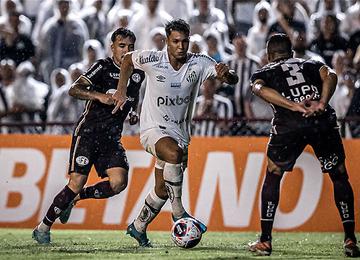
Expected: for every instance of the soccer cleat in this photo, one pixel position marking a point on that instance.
(65, 214)
(202, 226)
(42, 237)
(140, 237)
(351, 249)
(260, 248)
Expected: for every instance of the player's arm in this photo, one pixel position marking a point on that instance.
(127, 67)
(329, 82)
(81, 89)
(226, 75)
(272, 96)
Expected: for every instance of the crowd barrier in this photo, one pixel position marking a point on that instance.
(221, 186)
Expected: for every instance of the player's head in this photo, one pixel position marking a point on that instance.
(279, 47)
(177, 38)
(123, 41)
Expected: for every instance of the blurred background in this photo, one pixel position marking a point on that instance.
(46, 44)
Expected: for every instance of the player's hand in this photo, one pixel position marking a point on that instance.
(106, 99)
(222, 71)
(119, 101)
(314, 108)
(133, 118)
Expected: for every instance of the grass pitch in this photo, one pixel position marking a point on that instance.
(95, 244)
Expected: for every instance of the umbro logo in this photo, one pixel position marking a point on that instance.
(160, 78)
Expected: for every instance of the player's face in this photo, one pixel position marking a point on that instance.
(178, 45)
(120, 47)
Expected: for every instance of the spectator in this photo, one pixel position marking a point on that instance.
(211, 108)
(329, 40)
(130, 5)
(351, 23)
(7, 79)
(354, 108)
(178, 8)
(214, 47)
(345, 87)
(240, 15)
(197, 44)
(300, 48)
(92, 51)
(158, 38)
(258, 32)
(13, 6)
(14, 44)
(62, 38)
(285, 21)
(146, 20)
(330, 7)
(204, 16)
(95, 20)
(244, 65)
(29, 97)
(62, 107)
(46, 10)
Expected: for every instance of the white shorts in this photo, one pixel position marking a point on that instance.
(150, 137)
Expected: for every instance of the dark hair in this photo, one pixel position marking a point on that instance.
(178, 25)
(124, 33)
(279, 43)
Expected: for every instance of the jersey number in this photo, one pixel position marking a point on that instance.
(296, 76)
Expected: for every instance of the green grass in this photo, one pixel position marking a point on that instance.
(94, 244)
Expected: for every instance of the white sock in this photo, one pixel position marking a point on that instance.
(173, 177)
(42, 227)
(149, 211)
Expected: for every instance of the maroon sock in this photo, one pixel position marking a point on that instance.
(100, 190)
(61, 202)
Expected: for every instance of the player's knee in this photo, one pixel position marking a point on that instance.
(273, 169)
(76, 185)
(175, 155)
(119, 185)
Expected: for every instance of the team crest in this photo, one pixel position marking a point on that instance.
(136, 77)
(82, 160)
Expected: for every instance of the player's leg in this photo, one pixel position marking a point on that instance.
(344, 200)
(168, 150)
(61, 201)
(282, 152)
(154, 201)
(328, 147)
(110, 162)
(117, 182)
(270, 195)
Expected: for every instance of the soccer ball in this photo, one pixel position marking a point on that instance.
(186, 233)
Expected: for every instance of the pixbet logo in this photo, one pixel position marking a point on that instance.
(172, 101)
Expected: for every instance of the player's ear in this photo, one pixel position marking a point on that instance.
(112, 47)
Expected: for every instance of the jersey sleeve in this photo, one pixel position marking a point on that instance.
(94, 73)
(209, 67)
(312, 68)
(259, 74)
(143, 59)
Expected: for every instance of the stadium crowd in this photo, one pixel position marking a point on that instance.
(46, 44)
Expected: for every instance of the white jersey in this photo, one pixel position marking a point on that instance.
(170, 95)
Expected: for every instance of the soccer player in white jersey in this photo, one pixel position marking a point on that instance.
(174, 77)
